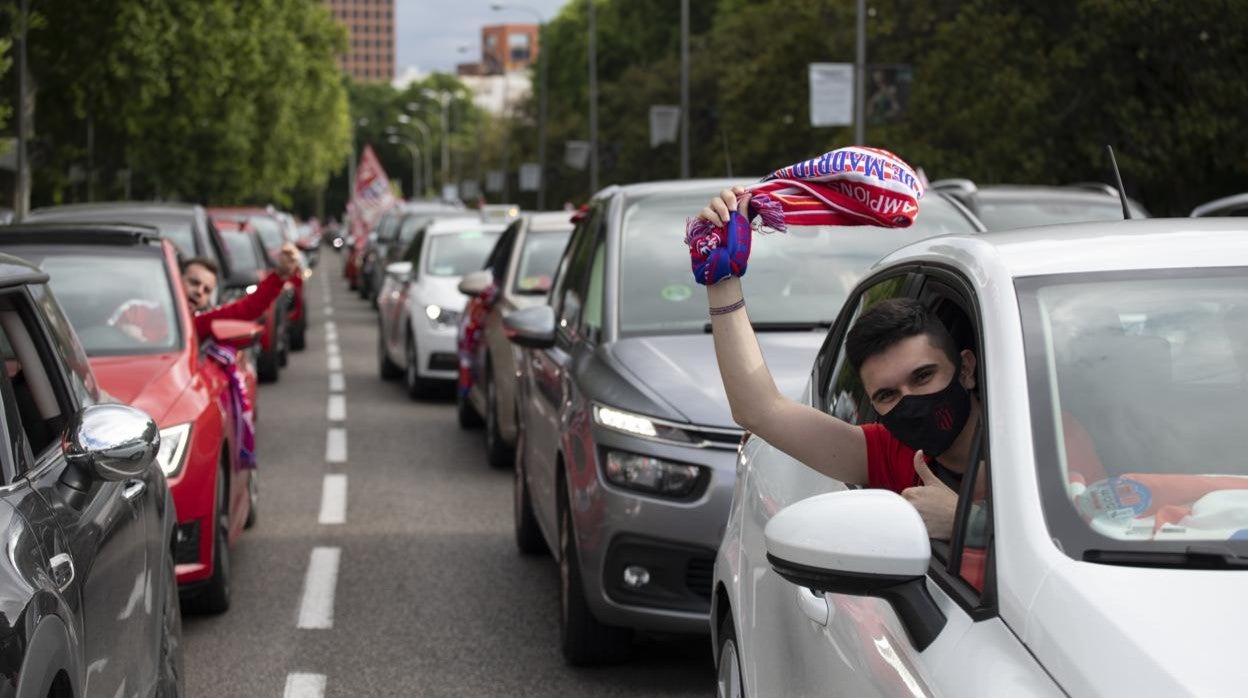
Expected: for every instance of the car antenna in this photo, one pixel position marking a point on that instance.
(1122, 193)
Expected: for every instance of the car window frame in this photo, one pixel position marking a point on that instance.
(978, 605)
(54, 368)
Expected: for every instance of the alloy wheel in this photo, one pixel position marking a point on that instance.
(729, 683)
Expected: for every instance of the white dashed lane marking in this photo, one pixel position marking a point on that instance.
(336, 445)
(316, 611)
(335, 362)
(304, 686)
(334, 500)
(336, 383)
(336, 409)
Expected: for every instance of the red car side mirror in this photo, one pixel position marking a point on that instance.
(239, 334)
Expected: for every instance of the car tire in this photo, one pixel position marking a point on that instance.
(417, 387)
(465, 413)
(529, 538)
(299, 336)
(171, 679)
(584, 640)
(497, 452)
(253, 500)
(214, 598)
(388, 369)
(728, 662)
(267, 366)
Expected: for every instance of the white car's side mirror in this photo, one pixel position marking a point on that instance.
(400, 271)
(863, 543)
(475, 283)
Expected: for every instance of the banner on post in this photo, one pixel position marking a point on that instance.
(494, 181)
(530, 176)
(831, 94)
(576, 154)
(664, 124)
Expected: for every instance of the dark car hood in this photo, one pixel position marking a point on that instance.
(680, 371)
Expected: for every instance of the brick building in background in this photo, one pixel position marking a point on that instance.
(505, 48)
(370, 27)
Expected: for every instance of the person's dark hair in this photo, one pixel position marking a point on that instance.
(888, 322)
(203, 262)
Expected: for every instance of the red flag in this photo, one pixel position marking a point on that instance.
(372, 194)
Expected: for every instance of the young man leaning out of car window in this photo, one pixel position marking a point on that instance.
(199, 277)
(917, 380)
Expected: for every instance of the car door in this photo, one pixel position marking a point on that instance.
(548, 368)
(498, 262)
(99, 538)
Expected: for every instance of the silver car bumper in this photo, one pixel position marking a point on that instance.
(673, 540)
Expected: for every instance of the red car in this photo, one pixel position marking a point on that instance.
(272, 232)
(121, 287)
(249, 264)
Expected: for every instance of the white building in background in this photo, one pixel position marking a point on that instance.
(499, 94)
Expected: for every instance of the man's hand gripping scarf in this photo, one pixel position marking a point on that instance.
(848, 186)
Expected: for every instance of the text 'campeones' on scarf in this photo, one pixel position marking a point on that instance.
(848, 186)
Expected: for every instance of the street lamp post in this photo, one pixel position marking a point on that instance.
(684, 89)
(541, 98)
(426, 142)
(21, 190)
(444, 100)
(415, 151)
(593, 98)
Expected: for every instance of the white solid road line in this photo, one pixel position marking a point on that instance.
(335, 362)
(304, 686)
(334, 500)
(336, 445)
(336, 409)
(316, 611)
(336, 383)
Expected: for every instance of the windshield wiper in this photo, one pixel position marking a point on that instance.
(782, 326)
(1199, 557)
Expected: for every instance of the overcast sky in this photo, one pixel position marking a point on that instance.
(430, 32)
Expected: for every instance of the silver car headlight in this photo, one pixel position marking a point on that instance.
(441, 317)
(651, 475)
(172, 453)
(638, 425)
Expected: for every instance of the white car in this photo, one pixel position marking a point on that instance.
(1106, 559)
(420, 303)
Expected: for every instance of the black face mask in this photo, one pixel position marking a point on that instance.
(930, 423)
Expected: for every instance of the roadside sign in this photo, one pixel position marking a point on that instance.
(530, 176)
(664, 123)
(831, 94)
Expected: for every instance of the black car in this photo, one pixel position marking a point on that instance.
(186, 225)
(395, 230)
(90, 597)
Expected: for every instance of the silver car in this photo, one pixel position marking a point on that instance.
(520, 270)
(420, 304)
(626, 452)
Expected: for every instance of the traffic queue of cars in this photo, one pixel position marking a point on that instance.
(129, 471)
(585, 353)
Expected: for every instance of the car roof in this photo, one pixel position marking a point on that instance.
(1234, 201)
(1039, 192)
(1155, 243)
(676, 186)
(111, 208)
(19, 272)
(460, 224)
(549, 221)
(84, 233)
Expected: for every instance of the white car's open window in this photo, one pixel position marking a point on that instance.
(1139, 390)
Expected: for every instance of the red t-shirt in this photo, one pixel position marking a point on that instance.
(890, 463)
(249, 307)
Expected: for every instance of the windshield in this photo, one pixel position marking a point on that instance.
(798, 278)
(1142, 380)
(119, 301)
(538, 259)
(1024, 213)
(241, 253)
(270, 232)
(456, 254)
